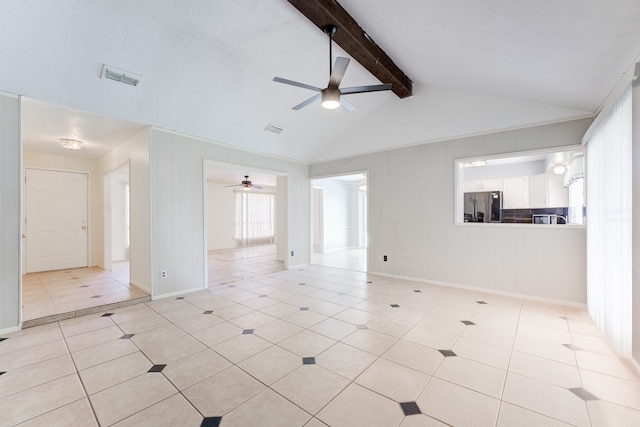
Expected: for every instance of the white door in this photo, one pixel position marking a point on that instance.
(55, 220)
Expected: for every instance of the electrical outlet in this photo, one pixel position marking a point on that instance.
(163, 274)
(291, 253)
(384, 258)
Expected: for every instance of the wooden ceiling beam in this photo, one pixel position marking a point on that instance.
(355, 41)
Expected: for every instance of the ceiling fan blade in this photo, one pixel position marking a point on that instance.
(292, 83)
(346, 104)
(307, 102)
(237, 185)
(362, 89)
(256, 186)
(339, 68)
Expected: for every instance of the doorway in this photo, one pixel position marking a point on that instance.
(245, 225)
(117, 242)
(339, 222)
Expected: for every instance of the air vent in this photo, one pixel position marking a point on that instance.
(120, 76)
(274, 128)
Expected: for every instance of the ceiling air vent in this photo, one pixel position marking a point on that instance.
(120, 76)
(274, 128)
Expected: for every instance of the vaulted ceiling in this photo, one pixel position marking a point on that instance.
(207, 68)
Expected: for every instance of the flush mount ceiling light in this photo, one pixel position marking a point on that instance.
(559, 169)
(331, 95)
(70, 144)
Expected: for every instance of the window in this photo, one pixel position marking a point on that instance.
(535, 187)
(255, 218)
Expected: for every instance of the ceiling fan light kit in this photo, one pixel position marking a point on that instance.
(331, 95)
(245, 184)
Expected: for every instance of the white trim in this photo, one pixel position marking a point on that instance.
(173, 294)
(11, 329)
(140, 286)
(485, 290)
(456, 137)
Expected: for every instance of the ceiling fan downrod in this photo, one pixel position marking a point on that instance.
(330, 30)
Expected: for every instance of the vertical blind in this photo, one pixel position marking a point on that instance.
(609, 224)
(255, 218)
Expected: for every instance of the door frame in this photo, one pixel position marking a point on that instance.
(24, 210)
(107, 220)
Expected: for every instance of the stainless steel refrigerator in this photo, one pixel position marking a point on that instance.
(483, 206)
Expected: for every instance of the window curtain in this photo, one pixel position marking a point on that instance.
(609, 224)
(255, 219)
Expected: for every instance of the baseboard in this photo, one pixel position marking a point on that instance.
(9, 330)
(178, 293)
(485, 290)
(140, 286)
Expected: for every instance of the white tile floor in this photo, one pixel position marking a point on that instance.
(63, 291)
(314, 347)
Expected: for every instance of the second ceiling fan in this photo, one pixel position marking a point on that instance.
(331, 95)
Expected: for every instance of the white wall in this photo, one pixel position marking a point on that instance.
(177, 211)
(504, 171)
(77, 164)
(134, 151)
(635, 226)
(414, 224)
(10, 185)
(221, 212)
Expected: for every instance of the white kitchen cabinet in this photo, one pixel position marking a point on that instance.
(515, 193)
(482, 185)
(547, 191)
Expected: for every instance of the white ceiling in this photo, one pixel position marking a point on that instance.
(207, 68)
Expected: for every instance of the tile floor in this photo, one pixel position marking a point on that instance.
(65, 291)
(348, 259)
(315, 347)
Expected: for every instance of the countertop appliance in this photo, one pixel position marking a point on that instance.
(483, 206)
(548, 219)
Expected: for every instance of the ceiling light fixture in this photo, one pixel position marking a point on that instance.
(70, 144)
(559, 169)
(330, 98)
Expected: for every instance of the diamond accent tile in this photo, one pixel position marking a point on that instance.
(447, 353)
(304, 308)
(96, 296)
(232, 286)
(179, 297)
(481, 302)
(342, 293)
(583, 393)
(84, 286)
(572, 347)
(247, 331)
(3, 372)
(126, 336)
(362, 327)
(395, 305)
(410, 408)
(107, 315)
(467, 322)
(417, 290)
(207, 312)
(369, 281)
(301, 284)
(263, 296)
(211, 421)
(2, 339)
(308, 360)
(157, 368)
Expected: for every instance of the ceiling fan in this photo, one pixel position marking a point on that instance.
(246, 184)
(330, 95)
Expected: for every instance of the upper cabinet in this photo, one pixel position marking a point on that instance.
(482, 185)
(547, 191)
(515, 193)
